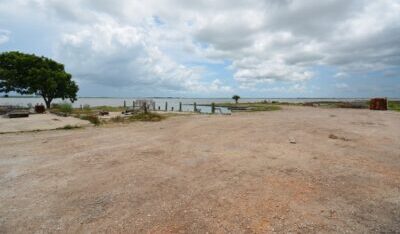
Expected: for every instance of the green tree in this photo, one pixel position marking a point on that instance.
(31, 74)
(236, 98)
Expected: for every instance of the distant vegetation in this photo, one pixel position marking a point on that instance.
(250, 106)
(236, 98)
(394, 105)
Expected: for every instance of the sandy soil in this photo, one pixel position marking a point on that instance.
(216, 174)
(38, 122)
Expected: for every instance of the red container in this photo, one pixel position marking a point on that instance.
(378, 104)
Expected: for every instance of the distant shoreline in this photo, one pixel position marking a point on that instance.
(297, 98)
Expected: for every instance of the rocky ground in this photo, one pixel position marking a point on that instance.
(300, 169)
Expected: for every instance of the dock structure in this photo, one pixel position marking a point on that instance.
(140, 105)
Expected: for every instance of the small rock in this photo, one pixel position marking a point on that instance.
(333, 136)
(292, 140)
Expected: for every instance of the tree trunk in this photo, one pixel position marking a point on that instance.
(47, 104)
(47, 101)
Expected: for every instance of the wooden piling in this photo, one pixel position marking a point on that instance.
(172, 108)
(213, 108)
(124, 104)
(145, 107)
(166, 106)
(195, 107)
(180, 106)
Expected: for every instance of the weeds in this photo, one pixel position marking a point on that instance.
(69, 127)
(91, 118)
(108, 108)
(86, 107)
(65, 108)
(150, 117)
(250, 106)
(394, 105)
(265, 108)
(118, 119)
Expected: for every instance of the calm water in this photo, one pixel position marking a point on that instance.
(187, 103)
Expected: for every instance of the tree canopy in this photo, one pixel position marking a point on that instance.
(236, 98)
(31, 74)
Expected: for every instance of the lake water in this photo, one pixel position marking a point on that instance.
(187, 103)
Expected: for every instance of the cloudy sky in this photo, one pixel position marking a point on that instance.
(214, 48)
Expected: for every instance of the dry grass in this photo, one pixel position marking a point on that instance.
(149, 117)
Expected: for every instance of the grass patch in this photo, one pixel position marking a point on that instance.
(91, 118)
(265, 108)
(88, 110)
(152, 117)
(108, 108)
(149, 117)
(118, 119)
(394, 105)
(65, 108)
(250, 106)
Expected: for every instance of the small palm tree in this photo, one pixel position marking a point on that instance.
(236, 98)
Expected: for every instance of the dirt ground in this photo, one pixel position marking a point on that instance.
(215, 174)
(36, 122)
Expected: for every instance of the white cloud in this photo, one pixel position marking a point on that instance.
(265, 41)
(341, 75)
(253, 70)
(118, 55)
(4, 36)
(217, 85)
(341, 85)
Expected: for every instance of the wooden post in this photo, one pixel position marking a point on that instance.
(154, 106)
(166, 106)
(124, 104)
(194, 107)
(133, 105)
(172, 108)
(180, 106)
(213, 108)
(145, 107)
(159, 107)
